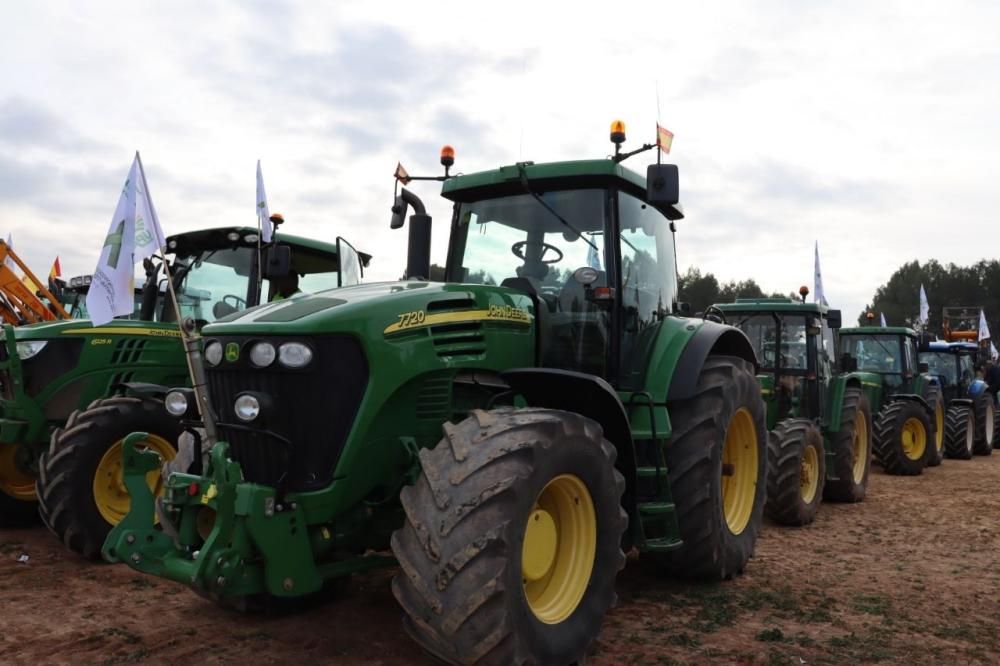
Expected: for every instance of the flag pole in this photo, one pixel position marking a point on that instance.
(190, 339)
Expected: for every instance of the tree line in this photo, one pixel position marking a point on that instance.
(700, 290)
(951, 285)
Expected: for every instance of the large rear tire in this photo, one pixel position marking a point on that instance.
(512, 539)
(796, 470)
(959, 432)
(717, 466)
(936, 402)
(852, 449)
(80, 484)
(984, 410)
(902, 438)
(18, 503)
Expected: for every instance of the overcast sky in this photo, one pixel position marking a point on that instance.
(872, 128)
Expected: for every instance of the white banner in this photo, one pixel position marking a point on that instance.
(984, 330)
(135, 234)
(263, 213)
(924, 308)
(882, 314)
(818, 295)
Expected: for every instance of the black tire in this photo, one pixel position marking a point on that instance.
(794, 453)
(902, 438)
(18, 508)
(851, 484)
(460, 549)
(984, 411)
(936, 402)
(996, 427)
(67, 470)
(959, 432)
(712, 550)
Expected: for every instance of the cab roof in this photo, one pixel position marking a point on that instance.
(191, 242)
(583, 173)
(954, 347)
(879, 330)
(784, 304)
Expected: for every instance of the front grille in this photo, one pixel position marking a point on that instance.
(312, 408)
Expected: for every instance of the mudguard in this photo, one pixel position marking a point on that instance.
(710, 338)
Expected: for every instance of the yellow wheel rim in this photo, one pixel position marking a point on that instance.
(15, 480)
(914, 439)
(739, 471)
(860, 447)
(110, 494)
(560, 543)
(809, 474)
(939, 424)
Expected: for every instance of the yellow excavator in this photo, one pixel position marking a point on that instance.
(19, 303)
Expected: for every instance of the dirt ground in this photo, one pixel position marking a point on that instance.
(909, 576)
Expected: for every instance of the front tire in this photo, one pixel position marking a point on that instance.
(512, 539)
(18, 503)
(796, 470)
(959, 432)
(984, 410)
(80, 485)
(902, 438)
(717, 463)
(852, 449)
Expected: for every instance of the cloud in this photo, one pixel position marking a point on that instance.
(25, 124)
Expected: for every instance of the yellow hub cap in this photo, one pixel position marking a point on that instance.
(110, 494)
(809, 474)
(560, 543)
(860, 447)
(914, 439)
(15, 480)
(939, 424)
(739, 471)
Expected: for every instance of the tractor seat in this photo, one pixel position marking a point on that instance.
(573, 295)
(222, 309)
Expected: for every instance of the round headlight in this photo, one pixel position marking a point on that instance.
(176, 403)
(262, 354)
(251, 238)
(247, 408)
(232, 236)
(29, 348)
(213, 353)
(294, 355)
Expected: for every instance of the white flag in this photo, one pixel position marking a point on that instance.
(135, 234)
(882, 314)
(993, 352)
(263, 213)
(818, 296)
(984, 330)
(925, 309)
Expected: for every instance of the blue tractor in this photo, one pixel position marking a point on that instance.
(972, 420)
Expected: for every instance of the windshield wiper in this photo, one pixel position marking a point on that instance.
(527, 188)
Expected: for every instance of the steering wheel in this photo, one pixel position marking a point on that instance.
(518, 250)
(715, 314)
(238, 303)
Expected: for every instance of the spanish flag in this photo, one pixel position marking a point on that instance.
(664, 138)
(401, 175)
(55, 271)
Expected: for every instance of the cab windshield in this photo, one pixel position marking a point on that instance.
(943, 365)
(762, 329)
(874, 353)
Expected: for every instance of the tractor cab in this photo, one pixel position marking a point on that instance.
(795, 346)
(579, 239)
(953, 363)
(888, 351)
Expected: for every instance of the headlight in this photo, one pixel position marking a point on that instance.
(294, 355)
(213, 353)
(30, 348)
(232, 236)
(262, 354)
(247, 407)
(176, 403)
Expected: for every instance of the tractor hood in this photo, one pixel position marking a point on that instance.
(50, 330)
(384, 308)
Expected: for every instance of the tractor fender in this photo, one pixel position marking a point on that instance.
(976, 387)
(967, 402)
(912, 397)
(589, 396)
(709, 338)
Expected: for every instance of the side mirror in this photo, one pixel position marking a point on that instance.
(662, 184)
(923, 367)
(848, 363)
(398, 214)
(833, 319)
(277, 262)
(684, 309)
(350, 264)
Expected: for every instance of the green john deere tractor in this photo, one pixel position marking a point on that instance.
(581, 417)
(51, 372)
(909, 407)
(819, 419)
